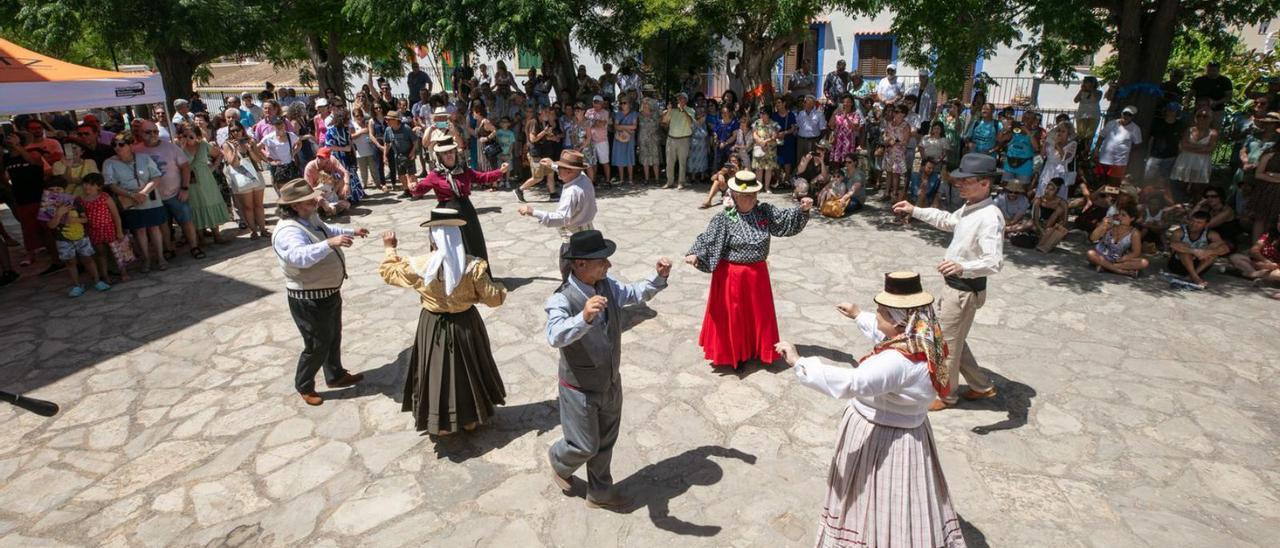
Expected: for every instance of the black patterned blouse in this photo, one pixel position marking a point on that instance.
(744, 237)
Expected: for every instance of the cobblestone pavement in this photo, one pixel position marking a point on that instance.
(1129, 414)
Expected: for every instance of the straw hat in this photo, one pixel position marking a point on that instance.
(443, 216)
(744, 182)
(903, 290)
(296, 191)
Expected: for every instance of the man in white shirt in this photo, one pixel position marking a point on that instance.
(1115, 143)
(890, 89)
(577, 206)
(927, 94)
(976, 251)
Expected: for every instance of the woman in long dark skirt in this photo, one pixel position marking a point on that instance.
(452, 381)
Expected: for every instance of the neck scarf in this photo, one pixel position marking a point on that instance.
(449, 255)
(920, 341)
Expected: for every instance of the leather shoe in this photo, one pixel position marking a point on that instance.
(312, 398)
(347, 379)
(612, 501)
(565, 484)
(972, 394)
(938, 405)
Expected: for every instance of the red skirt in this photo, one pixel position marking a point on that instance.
(740, 323)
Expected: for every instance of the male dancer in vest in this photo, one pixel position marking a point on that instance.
(577, 206)
(584, 320)
(976, 251)
(310, 253)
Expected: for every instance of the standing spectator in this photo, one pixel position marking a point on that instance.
(935, 145)
(208, 211)
(417, 80)
(811, 125)
(1021, 148)
(182, 113)
(1166, 136)
(544, 139)
(249, 112)
(764, 157)
(835, 87)
(197, 104)
(73, 167)
(24, 174)
(1089, 109)
(890, 90)
(240, 159)
(679, 121)
(400, 150)
(845, 125)
(173, 185)
(337, 138)
(366, 149)
(953, 127)
(1264, 196)
(897, 136)
(786, 121)
(801, 82)
(927, 96)
(1191, 170)
(1215, 87)
(723, 127)
(1059, 162)
(1172, 88)
(133, 178)
(281, 148)
(624, 141)
(698, 149)
(104, 224)
(599, 120)
(50, 149)
(1114, 145)
(981, 134)
(67, 221)
(650, 145)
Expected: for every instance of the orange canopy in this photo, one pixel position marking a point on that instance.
(31, 82)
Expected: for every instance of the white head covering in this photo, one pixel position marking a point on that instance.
(449, 255)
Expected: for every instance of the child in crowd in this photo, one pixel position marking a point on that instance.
(104, 223)
(506, 140)
(64, 214)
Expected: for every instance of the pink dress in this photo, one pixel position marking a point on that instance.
(895, 157)
(845, 127)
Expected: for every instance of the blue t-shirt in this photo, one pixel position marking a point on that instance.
(1018, 158)
(983, 135)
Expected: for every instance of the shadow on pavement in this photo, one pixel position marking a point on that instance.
(973, 536)
(838, 356)
(509, 423)
(1013, 397)
(636, 315)
(512, 283)
(655, 485)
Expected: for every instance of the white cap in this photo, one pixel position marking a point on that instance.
(892, 67)
(322, 102)
(1131, 110)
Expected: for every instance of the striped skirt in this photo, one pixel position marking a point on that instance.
(886, 489)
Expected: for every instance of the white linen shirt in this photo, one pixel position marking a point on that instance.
(576, 209)
(978, 242)
(886, 389)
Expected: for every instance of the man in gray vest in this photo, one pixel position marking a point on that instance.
(584, 320)
(310, 253)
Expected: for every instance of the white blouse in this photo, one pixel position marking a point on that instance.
(887, 389)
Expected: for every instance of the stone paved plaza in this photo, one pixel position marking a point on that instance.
(1129, 414)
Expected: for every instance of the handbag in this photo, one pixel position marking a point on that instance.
(122, 250)
(757, 151)
(834, 208)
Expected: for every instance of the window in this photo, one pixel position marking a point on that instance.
(875, 53)
(803, 54)
(526, 60)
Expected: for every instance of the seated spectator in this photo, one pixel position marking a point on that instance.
(720, 182)
(1222, 219)
(1014, 204)
(1262, 262)
(1154, 219)
(812, 173)
(1195, 246)
(845, 194)
(926, 194)
(1119, 243)
(1097, 204)
(330, 177)
(1047, 224)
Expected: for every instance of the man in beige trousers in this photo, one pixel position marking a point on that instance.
(679, 121)
(976, 251)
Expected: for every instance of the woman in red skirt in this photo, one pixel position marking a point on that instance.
(740, 323)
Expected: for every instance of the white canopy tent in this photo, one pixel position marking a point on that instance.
(31, 83)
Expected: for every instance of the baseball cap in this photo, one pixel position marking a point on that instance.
(322, 102)
(892, 67)
(1132, 110)
(597, 98)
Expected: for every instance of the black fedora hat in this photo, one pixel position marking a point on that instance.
(975, 164)
(443, 216)
(903, 290)
(589, 244)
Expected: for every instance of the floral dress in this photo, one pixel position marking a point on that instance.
(650, 151)
(896, 139)
(761, 132)
(580, 141)
(341, 137)
(845, 126)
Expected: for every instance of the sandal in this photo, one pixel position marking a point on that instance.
(168, 255)
(197, 253)
(163, 266)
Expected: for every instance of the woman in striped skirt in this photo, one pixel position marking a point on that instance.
(885, 487)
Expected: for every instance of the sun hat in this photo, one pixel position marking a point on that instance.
(442, 146)
(1016, 187)
(296, 191)
(440, 111)
(589, 244)
(322, 102)
(975, 164)
(744, 182)
(324, 152)
(572, 159)
(443, 216)
(903, 290)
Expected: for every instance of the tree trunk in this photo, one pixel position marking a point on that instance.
(1143, 46)
(177, 68)
(759, 56)
(558, 66)
(327, 61)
